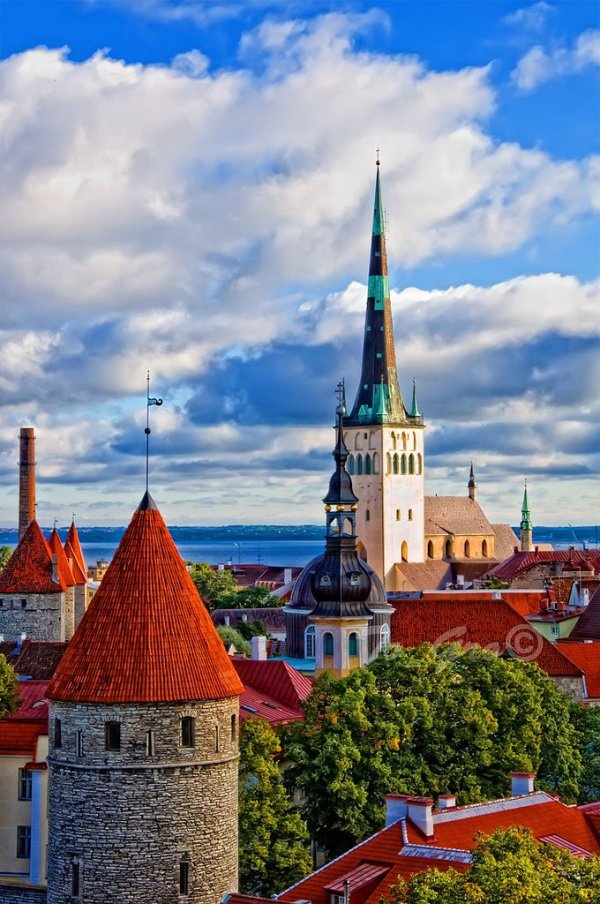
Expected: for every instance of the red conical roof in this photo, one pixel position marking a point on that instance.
(146, 636)
(29, 569)
(73, 540)
(79, 574)
(62, 564)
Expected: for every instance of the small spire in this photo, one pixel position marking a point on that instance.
(148, 431)
(472, 484)
(414, 411)
(525, 513)
(340, 486)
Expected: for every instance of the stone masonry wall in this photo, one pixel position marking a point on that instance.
(13, 894)
(129, 819)
(41, 618)
(571, 686)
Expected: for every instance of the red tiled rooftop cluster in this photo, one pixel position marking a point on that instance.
(146, 636)
(29, 569)
(20, 731)
(273, 690)
(571, 559)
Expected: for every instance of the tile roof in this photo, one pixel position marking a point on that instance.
(20, 731)
(433, 575)
(489, 623)
(36, 658)
(29, 569)
(273, 689)
(33, 705)
(505, 541)
(455, 835)
(588, 626)
(73, 541)
(62, 563)
(79, 573)
(571, 559)
(455, 515)
(586, 655)
(146, 636)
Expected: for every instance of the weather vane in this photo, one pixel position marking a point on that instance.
(341, 397)
(149, 401)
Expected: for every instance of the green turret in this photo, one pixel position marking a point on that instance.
(526, 525)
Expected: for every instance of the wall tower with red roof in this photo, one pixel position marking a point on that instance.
(143, 748)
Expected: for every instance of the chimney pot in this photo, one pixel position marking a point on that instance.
(259, 647)
(420, 813)
(396, 808)
(287, 575)
(446, 802)
(522, 783)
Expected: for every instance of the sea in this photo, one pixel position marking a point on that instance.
(292, 545)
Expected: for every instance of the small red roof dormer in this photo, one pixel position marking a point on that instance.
(29, 569)
(62, 564)
(79, 574)
(146, 636)
(73, 541)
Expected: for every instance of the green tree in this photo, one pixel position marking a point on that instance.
(256, 597)
(274, 842)
(9, 688)
(230, 635)
(212, 584)
(5, 554)
(251, 629)
(426, 721)
(588, 723)
(509, 867)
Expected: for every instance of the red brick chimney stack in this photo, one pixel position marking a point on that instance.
(26, 479)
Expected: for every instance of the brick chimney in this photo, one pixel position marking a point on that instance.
(522, 783)
(446, 802)
(26, 478)
(420, 813)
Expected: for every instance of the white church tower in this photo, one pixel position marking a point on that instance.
(384, 439)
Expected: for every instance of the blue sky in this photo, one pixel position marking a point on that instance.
(187, 188)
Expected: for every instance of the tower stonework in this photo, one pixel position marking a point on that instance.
(26, 478)
(385, 440)
(143, 746)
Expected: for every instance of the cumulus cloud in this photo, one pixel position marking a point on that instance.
(195, 221)
(540, 64)
(530, 18)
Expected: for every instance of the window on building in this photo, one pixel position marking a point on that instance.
(112, 735)
(150, 743)
(375, 462)
(467, 549)
(24, 784)
(353, 644)
(233, 728)
(367, 515)
(57, 733)
(351, 464)
(397, 514)
(411, 464)
(384, 637)
(410, 513)
(403, 465)
(484, 549)
(430, 550)
(404, 551)
(419, 463)
(327, 644)
(23, 603)
(395, 463)
(75, 879)
(188, 731)
(23, 842)
(79, 743)
(184, 878)
(359, 464)
(217, 738)
(309, 642)
(367, 463)
(448, 549)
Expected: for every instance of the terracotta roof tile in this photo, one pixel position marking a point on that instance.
(146, 636)
(571, 560)
(37, 659)
(433, 575)
(20, 738)
(505, 541)
(62, 564)
(588, 626)
(276, 678)
(79, 573)
(73, 540)
(29, 569)
(489, 623)
(455, 515)
(587, 657)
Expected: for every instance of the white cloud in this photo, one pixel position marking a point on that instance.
(530, 18)
(540, 65)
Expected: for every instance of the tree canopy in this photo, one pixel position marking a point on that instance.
(5, 554)
(219, 590)
(588, 723)
(9, 688)
(426, 721)
(509, 867)
(230, 635)
(274, 843)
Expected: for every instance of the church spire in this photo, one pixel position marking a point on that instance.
(472, 485)
(526, 526)
(378, 400)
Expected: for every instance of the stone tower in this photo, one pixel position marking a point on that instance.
(526, 527)
(26, 478)
(143, 747)
(384, 439)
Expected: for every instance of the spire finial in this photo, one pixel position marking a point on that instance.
(472, 486)
(377, 161)
(148, 431)
(414, 411)
(55, 523)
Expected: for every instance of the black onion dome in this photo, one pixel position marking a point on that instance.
(341, 583)
(304, 598)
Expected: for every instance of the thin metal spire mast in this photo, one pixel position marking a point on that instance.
(149, 401)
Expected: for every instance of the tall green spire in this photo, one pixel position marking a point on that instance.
(379, 400)
(414, 411)
(525, 513)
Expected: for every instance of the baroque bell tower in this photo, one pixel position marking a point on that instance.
(384, 438)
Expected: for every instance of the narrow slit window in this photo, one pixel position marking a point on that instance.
(217, 738)
(150, 743)
(188, 731)
(112, 736)
(233, 728)
(79, 743)
(184, 878)
(24, 784)
(75, 880)
(57, 733)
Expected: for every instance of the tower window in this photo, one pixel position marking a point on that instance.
(24, 784)
(217, 738)
(112, 735)
(403, 465)
(57, 733)
(328, 644)
(410, 514)
(359, 464)
(79, 743)
(395, 462)
(467, 549)
(184, 878)
(23, 603)
(150, 743)
(430, 550)
(353, 644)
(411, 464)
(324, 581)
(75, 880)
(23, 842)
(404, 551)
(188, 731)
(367, 464)
(309, 642)
(351, 464)
(233, 728)
(397, 514)
(367, 515)
(484, 549)
(384, 637)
